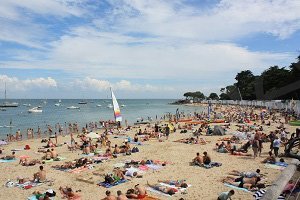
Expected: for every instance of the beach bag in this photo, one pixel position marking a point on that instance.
(27, 147)
(9, 184)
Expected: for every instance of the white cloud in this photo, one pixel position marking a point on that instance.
(93, 84)
(16, 84)
(149, 40)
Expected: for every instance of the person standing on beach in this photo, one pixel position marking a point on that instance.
(167, 132)
(226, 195)
(255, 146)
(276, 145)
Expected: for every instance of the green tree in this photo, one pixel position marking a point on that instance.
(245, 83)
(275, 77)
(213, 96)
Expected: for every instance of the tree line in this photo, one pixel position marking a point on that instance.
(273, 83)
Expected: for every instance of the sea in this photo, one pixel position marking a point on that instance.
(133, 109)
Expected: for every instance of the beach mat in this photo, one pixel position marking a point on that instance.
(90, 154)
(272, 166)
(150, 189)
(237, 188)
(51, 160)
(107, 185)
(7, 161)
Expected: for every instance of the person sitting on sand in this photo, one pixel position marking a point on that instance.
(246, 174)
(47, 155)
(10, 157)
(198, 160)
(121, 196)
(136, 138)
(53, 154)
(239, 153)
(226, 195)
(118, 174)
(139, 192)
(68, 193)
(177, 183)
(164, 189)
(243, 182)
(109, 196)
(270, 159)
(206, 158)
(116, 149)
(40, 176)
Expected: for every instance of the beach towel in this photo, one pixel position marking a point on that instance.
(52, 160)
(173, 186)
(107, 185)
(211, 165)
(27, 185)
(236, 188)
(7, 161)
(90, 154)
(17, 149)
(154, 167)
(260, 193)
(150, 189)
(274, 166)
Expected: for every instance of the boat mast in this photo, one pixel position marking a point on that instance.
(5, 91)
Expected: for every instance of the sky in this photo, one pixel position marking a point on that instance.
(140, 48)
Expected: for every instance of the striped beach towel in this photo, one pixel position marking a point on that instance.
(260, 193)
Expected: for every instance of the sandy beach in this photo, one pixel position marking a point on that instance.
(206, 183)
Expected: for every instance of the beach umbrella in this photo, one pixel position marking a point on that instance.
(92, 135)
(3, 142)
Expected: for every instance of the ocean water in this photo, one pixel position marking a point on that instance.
(19, 118)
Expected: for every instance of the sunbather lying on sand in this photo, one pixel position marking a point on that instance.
(68, 193)
(44, 196)
(164, 189)
(270, 159)
(139, 192)
(239, 153)
(26, 162)
(242, 182)
(248, 174)
(177, 183)
(9, 157)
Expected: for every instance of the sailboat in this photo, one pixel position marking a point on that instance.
(6, 104)
(59, 103)
(116, 107)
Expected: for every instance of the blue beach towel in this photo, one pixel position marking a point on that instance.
(235, 187)
(107, 185)
(7, 161)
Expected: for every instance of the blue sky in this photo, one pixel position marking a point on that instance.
(142, 48)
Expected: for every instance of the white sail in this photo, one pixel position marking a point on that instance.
(116, 107)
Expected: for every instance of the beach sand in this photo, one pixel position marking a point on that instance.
(206, 183)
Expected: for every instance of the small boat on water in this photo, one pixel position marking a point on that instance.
(73, 107)
(99, 105)
(7, 104)
(110, 106)
(123, 105)
(35, 110)
(82, 102)
(27, 105)
(57, 104)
